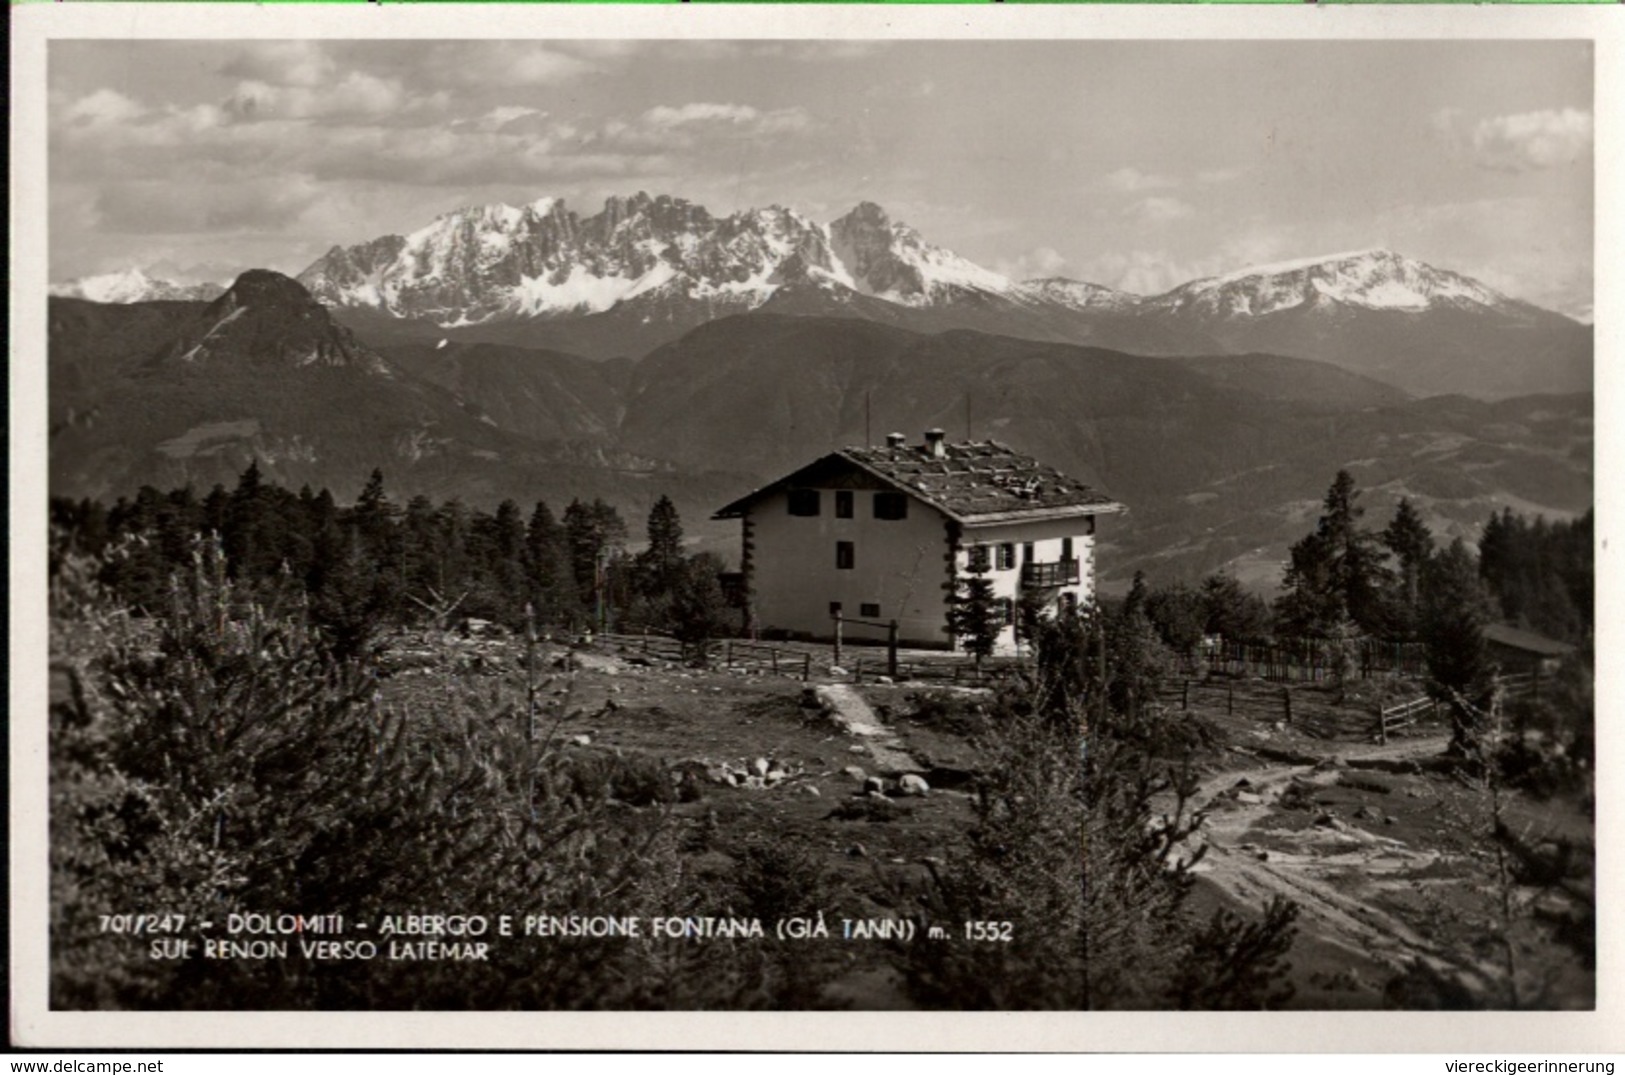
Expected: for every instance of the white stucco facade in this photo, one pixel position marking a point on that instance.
(899, 568)
(1049, 545)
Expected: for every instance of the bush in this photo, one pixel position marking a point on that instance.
(219, 759)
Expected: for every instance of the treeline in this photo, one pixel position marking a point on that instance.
(378, 562)
(1397, 584)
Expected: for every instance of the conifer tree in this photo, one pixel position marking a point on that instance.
(1411, 542)
(1336, 571)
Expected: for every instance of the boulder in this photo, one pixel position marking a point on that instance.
(855, 772)
(874, 785)
(913, 784)
(760, 766)
(1247, 798)
(773, 776)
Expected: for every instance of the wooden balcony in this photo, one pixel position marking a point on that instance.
(1044, 576)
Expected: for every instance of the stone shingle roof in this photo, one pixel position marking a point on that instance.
(972, 482)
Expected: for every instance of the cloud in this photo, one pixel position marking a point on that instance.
(1132, 180)
(510, 119)
(101, 108)
(1528, 141)
(357, 95)
(699, 112)
(784, 119)
(1158, 210)
(541, 67)
(1037, 263)
(280, 63)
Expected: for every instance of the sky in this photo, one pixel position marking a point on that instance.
(1134, 164)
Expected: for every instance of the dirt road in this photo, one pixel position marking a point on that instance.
(1330, 868)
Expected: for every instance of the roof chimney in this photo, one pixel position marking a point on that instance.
(933, 444)
(895, 440)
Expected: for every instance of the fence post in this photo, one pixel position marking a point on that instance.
(1230, 698)
(857, 673)
(1382, 725)
(806, 667)
(728, 653)
(775, 655)
(1286, 699)
(837, 637)
(891, 649)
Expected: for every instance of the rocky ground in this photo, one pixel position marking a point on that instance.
(1385, 848)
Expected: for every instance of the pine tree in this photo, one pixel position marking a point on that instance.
(1232, 612)
(975, 616)
(552, 589)
(596, 535)
(1455, 609)
(1411, 542)
(1337, 571)
(699, 611)
(661, 565)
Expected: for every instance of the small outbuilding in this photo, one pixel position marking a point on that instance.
(1518, 651)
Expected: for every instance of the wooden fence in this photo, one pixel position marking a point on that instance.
(860, 662)
(1396, 718)
(729, 652)
(1241, 706)
(1312, 660)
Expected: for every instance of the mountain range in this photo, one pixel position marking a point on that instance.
(644, 271)
(1221, 457)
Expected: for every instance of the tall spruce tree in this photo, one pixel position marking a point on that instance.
(1455, 609)
(1337, 571)
(1411, 542)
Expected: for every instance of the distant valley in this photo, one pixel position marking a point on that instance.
(1221, 457)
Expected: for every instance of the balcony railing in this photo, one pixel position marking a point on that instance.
(1060, 573)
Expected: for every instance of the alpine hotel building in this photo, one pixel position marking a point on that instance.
(886, 533)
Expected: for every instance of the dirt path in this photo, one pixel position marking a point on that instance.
(853, 713)
(1327, 886)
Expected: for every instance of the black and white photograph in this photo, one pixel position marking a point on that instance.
(854, 520)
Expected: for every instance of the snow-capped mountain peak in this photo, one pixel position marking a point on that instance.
(1371, 279)
(133, 285)
(485, 263)
(1077, 294)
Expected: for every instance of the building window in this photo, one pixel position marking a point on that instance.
(1007, 611)
(804, 502)
(1007, 556)
(1066, 548)
(868, 609)
(976, 559)
(834, 608)
(1028, 556)
(845, 555)
(1069, 603)
(843, 503)
(891, 506)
